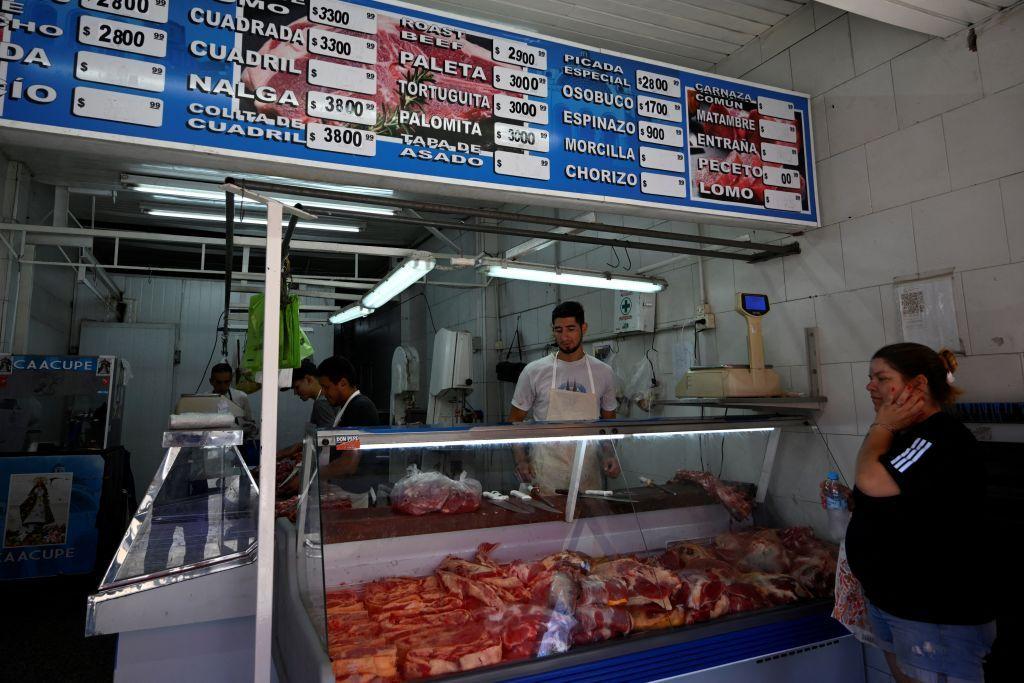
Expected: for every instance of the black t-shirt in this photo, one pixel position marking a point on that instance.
(360, 412)
(323, 413)
(924, 554)
(373, 467)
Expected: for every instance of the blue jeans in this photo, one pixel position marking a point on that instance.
(932, 653)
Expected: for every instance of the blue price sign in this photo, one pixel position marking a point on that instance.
(404, 94)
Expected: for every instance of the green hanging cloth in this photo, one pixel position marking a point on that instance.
(292, 341)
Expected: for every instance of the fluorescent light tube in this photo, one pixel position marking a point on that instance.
(574, 278)
(490, 442)
(350, 313)
(213, 195)
(413, 268)
(248, 220)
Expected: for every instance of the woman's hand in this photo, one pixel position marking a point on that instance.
(902, 410)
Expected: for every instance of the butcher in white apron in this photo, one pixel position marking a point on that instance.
(552, 463)
(566, 396)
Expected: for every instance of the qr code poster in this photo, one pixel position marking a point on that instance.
(927, 314)
(38, 506)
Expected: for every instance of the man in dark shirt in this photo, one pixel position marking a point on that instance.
(358, 474)
(306, 385)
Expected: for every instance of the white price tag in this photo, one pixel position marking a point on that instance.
(521, 109)
(776, 108)
(341, 139)
(664, 185)
(521, 165)
(147, 10)
(779, 154)
(517, 80)
(781, 177)
(533, 139)
(782, 200)
(660, 133)
(777, 130)
(656, 108)
(341, 46)
(118, 106)
(341, 108)
(341, 77)
(515, 52)
(127, 73)
(119, 35)
(659, 84)
(343, 15)
(662, 159)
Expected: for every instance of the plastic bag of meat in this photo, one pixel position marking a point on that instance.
(419, 493)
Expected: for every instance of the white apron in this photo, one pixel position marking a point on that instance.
(552, 463)
(359, 500)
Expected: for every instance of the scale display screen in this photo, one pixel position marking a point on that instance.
(756, 304)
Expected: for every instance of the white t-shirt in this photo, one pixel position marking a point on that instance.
(535, 383)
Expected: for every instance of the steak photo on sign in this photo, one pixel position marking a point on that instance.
(433, 82)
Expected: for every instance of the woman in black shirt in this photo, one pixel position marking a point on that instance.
(916, 540)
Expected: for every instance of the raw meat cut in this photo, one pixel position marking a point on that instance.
(462, 652)
(735, 501)
(612, 590)
(419, 493)
(530, 631)
(558, 591)
(652, 617)
(644, 583)
(341, 601)
(365, 660)
(761, 550)
(479, 612)
(601, 622)
(777, 589)
(702, 596)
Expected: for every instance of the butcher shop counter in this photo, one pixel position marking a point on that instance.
(663, 575)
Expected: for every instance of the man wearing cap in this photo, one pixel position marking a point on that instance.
(306, 386)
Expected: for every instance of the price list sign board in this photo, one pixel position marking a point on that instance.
(395, 91)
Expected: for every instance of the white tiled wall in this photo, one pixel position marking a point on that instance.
(920, 148)
(920, 152)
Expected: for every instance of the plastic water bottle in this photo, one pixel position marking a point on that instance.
(835, 505)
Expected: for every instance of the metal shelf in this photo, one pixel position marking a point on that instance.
(800, 405)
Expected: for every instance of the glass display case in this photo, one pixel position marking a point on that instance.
(198, 518)
(494, 552)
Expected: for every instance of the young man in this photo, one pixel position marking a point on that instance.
(306, 385)
(359, 475)
(568, 385)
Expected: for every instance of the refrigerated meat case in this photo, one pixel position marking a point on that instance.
(330, 547)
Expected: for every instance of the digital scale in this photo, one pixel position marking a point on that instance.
(723, 381)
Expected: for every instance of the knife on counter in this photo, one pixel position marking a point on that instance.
(598, 494)
(502, 501)
(530, 500)
(647, 481)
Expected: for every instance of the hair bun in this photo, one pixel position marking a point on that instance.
(948, 359)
